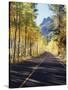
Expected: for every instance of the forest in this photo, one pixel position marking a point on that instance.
(26, 39)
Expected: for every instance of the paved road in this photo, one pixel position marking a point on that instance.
(45, 70)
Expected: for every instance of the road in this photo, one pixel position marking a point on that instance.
(44, 70)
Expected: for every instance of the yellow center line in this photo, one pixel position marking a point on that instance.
(36, 67)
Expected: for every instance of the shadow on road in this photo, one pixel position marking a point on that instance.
(49, 72)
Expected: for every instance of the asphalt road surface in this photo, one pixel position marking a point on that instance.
(45, 70)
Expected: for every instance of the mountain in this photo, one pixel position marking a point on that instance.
(45, 30)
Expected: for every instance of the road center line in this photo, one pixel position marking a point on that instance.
(35, 68)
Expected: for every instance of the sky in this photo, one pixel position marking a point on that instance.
(43, 12)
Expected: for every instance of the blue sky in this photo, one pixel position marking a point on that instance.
(43, 12)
